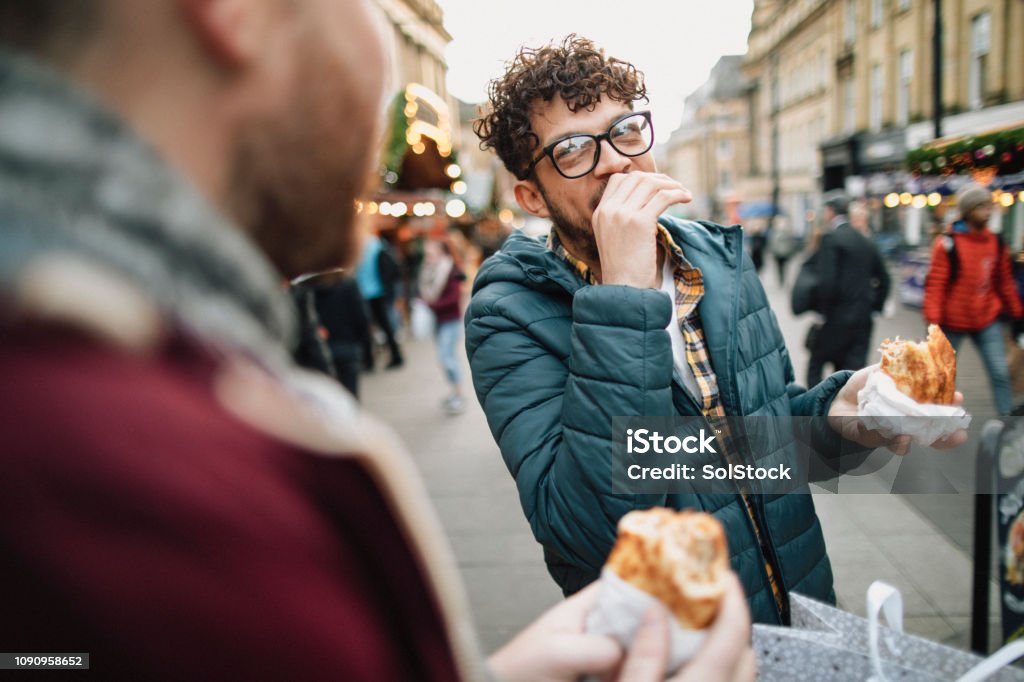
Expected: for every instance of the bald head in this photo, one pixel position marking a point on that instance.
(271, 107)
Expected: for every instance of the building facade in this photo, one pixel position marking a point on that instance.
(841, 90)
(710, 151)
(418, 178)
(789, 53)
(415, 34)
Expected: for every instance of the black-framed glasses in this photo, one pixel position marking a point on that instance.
(576, 155)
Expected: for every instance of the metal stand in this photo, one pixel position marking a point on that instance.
(984, 501)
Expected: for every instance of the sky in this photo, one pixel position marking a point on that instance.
(674, 42)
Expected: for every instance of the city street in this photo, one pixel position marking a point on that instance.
(209, 212)
(921, 544)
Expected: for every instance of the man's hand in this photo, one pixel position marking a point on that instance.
(626, 226)
(725, 656)
(554, 647)
(842, 417)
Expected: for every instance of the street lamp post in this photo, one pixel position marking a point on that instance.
(775, 170)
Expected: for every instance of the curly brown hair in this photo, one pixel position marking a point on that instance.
(575, 70)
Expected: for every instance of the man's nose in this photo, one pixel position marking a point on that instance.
(611, 161)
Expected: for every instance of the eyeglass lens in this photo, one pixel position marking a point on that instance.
(577, 155)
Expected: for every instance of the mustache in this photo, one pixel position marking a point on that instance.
(598, 195)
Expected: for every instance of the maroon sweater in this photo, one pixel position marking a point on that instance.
(142, 523)
(448, 305)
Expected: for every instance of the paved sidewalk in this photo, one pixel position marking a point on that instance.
(869, 537)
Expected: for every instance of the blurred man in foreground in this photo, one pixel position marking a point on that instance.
(179, 500)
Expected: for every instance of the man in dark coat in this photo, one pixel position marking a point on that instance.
(342, 312)
(853, 284)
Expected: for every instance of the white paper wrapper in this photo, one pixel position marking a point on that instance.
(619, 610)
(884, 407)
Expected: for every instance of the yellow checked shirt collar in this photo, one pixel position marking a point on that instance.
(554, 245)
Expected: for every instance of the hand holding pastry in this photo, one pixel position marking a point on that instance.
(911, 396)
(677, 562)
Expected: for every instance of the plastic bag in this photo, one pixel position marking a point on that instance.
(421, 320)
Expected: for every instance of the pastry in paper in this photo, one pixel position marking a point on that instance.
(677, 559)
(925, 371)
(680, 558)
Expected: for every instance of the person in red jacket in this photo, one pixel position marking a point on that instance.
(970, 284)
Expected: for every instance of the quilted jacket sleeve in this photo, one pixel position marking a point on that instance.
(831, 454)
(551, 414)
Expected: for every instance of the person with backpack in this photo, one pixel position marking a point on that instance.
(970, 284)
(784, 244)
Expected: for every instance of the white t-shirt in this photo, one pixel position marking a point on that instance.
(668, 285)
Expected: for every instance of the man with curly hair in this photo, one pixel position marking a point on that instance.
(625, 311)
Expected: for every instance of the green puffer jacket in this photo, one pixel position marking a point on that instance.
(554, 359)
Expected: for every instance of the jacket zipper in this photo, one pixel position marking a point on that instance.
(761, 520)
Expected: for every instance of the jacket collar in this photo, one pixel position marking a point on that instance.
(528, 260)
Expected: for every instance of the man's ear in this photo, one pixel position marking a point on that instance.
(233, 31)
(530, 199)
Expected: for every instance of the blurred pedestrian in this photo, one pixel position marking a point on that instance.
(756, 243)
(311, 351)
(860, 218)
(853, 284)
(180, 499)
(377, 275)
(440, 286)
(342, 313)
(783, 244)
(970, 284)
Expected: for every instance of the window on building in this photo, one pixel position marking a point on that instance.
(725, 149)
(981, 42)
(903, 87)
(877, 93)
(850, 23)
(725, 180)
(849, 107)
(877, 10)
(903, 5)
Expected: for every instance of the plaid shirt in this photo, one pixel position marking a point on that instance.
(689, 286)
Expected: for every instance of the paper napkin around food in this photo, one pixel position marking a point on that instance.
(619, 609)
(882, 406)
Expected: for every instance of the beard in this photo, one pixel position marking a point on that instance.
(296, 173)
(576, 232)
